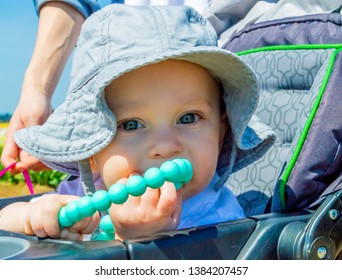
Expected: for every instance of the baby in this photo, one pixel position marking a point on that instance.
(148, 84)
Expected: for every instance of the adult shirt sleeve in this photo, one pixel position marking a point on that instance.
(85, 7)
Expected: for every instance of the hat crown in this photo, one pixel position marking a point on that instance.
(119, 33)
(119, 39)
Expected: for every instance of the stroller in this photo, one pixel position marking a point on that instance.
(292, 196)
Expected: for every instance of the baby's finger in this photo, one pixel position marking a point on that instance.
(69, 235)
(86, 225)
(150, 198)
(168, 198)
(175, 217)
(51, 209)
(51, 226)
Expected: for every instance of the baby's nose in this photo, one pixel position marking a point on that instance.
(165, 144)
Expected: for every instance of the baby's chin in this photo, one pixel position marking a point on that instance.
(191, 189)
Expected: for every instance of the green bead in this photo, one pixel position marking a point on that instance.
(100, 200)
(170, 170)
(106, 224)
(189, 175)
(136, 185)
(117, 193)
(103, 235)
(184, 169)
(72, 213)
(187, 162)
(63, 220)
(85, 206)
(178, 185)
(154, 178)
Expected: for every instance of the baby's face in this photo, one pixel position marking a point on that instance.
(164, 111)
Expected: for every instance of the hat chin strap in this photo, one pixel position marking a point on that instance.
(229, 170)
(86, 177)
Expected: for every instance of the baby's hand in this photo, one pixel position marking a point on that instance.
(155, 211)
(42, 219)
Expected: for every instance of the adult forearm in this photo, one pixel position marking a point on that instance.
(58, 30)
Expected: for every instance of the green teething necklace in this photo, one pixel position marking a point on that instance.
(177, 171)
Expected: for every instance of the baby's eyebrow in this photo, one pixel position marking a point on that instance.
(198, 102)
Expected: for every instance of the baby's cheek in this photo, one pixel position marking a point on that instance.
(112, 174)
(203, 175)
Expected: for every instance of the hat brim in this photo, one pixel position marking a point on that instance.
(83, 125)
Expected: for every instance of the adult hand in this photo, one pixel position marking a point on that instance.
(33, 109)
(58, 30)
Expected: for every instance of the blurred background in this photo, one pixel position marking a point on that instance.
(18, 29)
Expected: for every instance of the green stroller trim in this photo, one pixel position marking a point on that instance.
(313, 111)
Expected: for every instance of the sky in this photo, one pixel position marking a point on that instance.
(18, 29)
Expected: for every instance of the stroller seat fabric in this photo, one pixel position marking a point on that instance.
(301, 101)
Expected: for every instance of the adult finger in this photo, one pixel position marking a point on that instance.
(28, 162)
(10, 150)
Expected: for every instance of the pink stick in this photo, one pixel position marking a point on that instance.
(26, 176)
(2, 172)
(28, 181)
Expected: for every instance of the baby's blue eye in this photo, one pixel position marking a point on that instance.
(188, 118)
(131, 125)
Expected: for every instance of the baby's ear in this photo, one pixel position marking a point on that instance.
(93, 165)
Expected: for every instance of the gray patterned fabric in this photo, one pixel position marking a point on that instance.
(290, 81)
(309, 29)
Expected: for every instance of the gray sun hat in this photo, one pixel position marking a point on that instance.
(116, 40)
